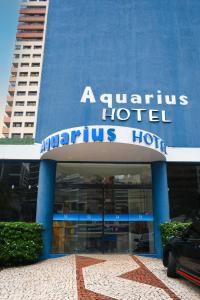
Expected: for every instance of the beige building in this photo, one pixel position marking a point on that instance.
(24, 84)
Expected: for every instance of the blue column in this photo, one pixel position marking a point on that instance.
(45, 201)
(160, 201)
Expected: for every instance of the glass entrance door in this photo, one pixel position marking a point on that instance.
(101, 213)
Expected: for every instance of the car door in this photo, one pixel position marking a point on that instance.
(189, 259)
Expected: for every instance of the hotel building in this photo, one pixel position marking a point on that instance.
(117, 144)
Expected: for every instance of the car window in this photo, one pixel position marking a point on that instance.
(193, 233)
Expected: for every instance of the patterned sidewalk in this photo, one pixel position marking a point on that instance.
(94, 277)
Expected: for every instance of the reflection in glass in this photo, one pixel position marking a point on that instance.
(87, 237)
(103, 208)
(184, 191)
(74, 173)
(18, 190)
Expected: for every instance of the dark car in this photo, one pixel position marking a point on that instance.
(181, 255)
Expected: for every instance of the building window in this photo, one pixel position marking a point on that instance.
(17, 47)
(17, 124)
(18, 113)
(16, 135)
(36, 55)
(34, 74)
(35, 65)
(24, 65)
(26, 55)
(13, 74)
(31, 83)
(29, 124)
(30, 113)
(19, 103)
(184, 191)
(18, 193)
(23, 74)
(37, 47)
(15, 65)
(28, 135)
(32, 93)
(26, 47)
(16, 56)
(31, 103)
(21, 93)
(22, 83)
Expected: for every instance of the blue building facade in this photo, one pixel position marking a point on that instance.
(119, 100)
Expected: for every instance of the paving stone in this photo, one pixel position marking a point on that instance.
(94, 277)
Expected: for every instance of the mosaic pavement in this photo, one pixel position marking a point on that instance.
(94, 277)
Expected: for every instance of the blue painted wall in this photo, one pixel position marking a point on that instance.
(122, 46)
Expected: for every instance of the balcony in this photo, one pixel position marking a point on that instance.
(14, 70)
(11, 89)
(8, 109)
(5, 130)
(31, 27)
(12, 78)
(29, 35)
(6, 120)
(9, 99)
(32, 11)
(32, 19)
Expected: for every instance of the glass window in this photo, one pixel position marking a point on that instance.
(17, 124)
(35, 64)
(32, 93)
(16, 135)
(18, 190)
(119, 174)
(30, 113)
(22, 83)
(24, 65)
(28, 135)
(26, 47)
(23, 74)
(21, 93)
(19, 103)
(184, 191)
(36, 55)
(29, 124)
(33, 83)
(18, 113)
(37, 47)
(34, 74)
(26, 55)
(103, 208)
(17, 47)
(31, 103)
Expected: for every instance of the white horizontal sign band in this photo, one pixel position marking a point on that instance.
(103, 134)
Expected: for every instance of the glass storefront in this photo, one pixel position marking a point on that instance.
(103, 208)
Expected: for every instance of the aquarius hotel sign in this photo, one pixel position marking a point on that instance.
(140, 114)
(114, 108)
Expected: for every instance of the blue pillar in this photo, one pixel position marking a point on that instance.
(45, 201)
(160, 201)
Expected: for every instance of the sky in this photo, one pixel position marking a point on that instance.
(8, 24)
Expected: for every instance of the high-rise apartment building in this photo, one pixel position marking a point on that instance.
(24, 83)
